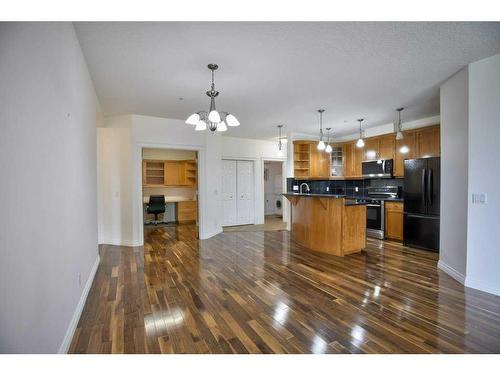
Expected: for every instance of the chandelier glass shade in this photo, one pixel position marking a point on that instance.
(212, 119)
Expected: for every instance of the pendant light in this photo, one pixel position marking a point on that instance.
(360, 143)
(213, 119)
(328, 148)
(280, 139)
(399, 133)
(321, 144)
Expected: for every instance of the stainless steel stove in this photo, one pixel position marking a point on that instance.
(375, 208)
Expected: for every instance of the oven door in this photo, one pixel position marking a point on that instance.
(375, 220)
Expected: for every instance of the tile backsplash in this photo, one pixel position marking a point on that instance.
(347, 187)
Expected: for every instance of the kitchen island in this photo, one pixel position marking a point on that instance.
(328, 223)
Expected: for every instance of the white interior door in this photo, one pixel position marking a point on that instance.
(229, 193)
(244, 185)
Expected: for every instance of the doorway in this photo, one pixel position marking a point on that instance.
(169, 188)
(273, 189)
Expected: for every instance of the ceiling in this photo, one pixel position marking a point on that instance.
(281, 72)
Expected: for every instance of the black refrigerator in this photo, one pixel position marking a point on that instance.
(421, 203)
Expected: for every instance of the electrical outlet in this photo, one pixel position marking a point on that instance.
(328, 188)
(295, 187)
(479, 198)
(356, 189)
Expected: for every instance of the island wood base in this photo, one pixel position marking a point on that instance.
(327, 225)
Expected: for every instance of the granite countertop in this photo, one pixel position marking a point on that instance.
(349, 201)
(325, 195)
(347, 197)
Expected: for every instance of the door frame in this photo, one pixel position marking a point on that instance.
(285, 206)
(201, 189)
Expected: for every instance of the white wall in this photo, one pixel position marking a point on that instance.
(454, 159)
(483, 252)
(167, 154)
(48, 226)
(114, 175)
(121, 199)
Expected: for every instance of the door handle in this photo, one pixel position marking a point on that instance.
(429, 186)
(423, 186)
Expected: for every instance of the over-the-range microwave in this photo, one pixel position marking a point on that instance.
(377, 168)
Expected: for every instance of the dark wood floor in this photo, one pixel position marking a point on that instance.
(256, 292)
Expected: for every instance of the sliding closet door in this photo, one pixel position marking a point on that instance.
(229, 193)
(245, 183)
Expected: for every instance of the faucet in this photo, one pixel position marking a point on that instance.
(307, 186)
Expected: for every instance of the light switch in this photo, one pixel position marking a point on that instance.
(479, 198)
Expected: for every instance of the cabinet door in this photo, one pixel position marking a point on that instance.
(386, 147)
(405, 149)
(172, 173)
(244, 186)
(320, 163)
(348, 159)
(357, 159)
(394, 221)
(371, 149)
(429, 142)
(229, 211)
(186, 211)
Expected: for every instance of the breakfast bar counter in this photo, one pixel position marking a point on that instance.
(328, 223)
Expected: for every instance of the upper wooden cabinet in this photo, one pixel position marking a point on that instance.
(371, 149)
(301, 159)
(428, 142)
(309, 162)
(172, 173)
(405, 149)
(386, 147)
(417, 143)
(161, 173)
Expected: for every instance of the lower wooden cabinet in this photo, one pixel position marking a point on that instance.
(187, 211)
(394, 221)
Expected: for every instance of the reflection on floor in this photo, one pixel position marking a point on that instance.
(271, 223)
(258, 292)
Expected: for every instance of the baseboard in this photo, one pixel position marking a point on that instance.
(204, 236)
(63, 349)
(482, 286)
(119, 242)
(451, 272)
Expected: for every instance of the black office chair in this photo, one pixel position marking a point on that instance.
(156, 206)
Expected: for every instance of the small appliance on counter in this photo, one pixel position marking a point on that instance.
(377, 168)
(375, 208)
(422, 203)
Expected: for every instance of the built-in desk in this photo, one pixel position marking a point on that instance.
(328, 223)
(184, 209)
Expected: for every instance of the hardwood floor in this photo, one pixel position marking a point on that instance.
(256, 292)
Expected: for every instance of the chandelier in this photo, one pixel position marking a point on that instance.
(213, 119)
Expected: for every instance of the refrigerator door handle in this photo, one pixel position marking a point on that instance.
(424, 190)
(419, 216)
(429, 186)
